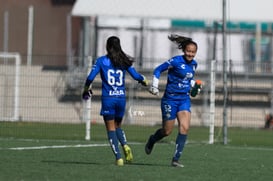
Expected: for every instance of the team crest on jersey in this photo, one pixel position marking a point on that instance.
(106, 62)
(183, 66)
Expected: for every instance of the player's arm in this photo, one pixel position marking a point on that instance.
(140, 78)
(156, 75)
(87, 92)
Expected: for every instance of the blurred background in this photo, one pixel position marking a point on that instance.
(48, 46)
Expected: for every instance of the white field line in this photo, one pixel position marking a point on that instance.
(59, 146)
(54, 146)
(134, 143)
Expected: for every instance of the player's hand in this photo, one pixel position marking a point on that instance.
(154, 90)
(196, 87)
(87, 94)
(144, 82)
(200, 85)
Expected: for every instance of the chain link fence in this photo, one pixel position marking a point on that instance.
(48, 94)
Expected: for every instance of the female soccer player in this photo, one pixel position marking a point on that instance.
(112, 68)
(176, 102)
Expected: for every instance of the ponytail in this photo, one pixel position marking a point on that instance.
(181, 41)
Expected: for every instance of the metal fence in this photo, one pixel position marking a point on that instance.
(53, 94)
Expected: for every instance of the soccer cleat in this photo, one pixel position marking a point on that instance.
(176, 164)
(149, 146)
(128, 154)
(119, 162)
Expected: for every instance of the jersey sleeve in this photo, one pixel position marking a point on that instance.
(161, 68)
(94, 71)
(137, 76)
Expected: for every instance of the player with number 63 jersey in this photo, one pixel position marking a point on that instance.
(112, 68)
(113, 78)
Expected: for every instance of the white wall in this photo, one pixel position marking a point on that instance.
(237, 10)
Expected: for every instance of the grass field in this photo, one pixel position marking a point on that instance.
(32, 151)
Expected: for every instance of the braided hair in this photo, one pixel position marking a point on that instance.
(181, 41)
(116, 54)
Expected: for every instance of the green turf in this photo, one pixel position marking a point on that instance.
(30, 130)
(247, 156)
(202, 162)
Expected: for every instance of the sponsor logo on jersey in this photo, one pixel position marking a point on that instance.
(189, 75)
(116, 92)
(183, 85)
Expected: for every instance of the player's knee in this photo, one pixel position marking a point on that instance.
(184, 130)
(167, 132)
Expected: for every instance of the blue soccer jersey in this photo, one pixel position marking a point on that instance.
(176, 97)
(113, 99)
(180, 74)
(113, 79)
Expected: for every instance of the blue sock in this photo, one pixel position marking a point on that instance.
(121, 136)
(112, 137)
(179, 145)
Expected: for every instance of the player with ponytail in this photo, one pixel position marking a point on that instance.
(112, 68)
(176, 103)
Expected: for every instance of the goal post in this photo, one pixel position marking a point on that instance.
(9, 86)
(212, 102)
(87, 107)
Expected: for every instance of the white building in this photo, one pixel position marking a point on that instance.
(143, 27)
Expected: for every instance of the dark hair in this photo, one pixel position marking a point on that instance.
(181, 41)
(116, 54)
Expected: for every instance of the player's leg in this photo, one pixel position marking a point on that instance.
(108, 112)
(183, 118)
(112, 138)
(120, 109)
(123, 141)
(119, 113)
(159, 134)
(168, 110)
(120, 132)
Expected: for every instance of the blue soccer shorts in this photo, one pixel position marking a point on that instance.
(113, 106)
(170, 108)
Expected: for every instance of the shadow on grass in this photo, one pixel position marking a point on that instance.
(70, 162)
(147, 164)
(97, 163)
